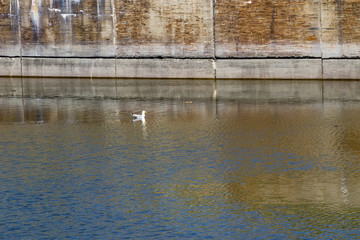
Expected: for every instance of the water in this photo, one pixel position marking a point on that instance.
(82, 169)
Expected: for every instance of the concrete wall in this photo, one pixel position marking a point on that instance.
(315, 31)
(173, 68)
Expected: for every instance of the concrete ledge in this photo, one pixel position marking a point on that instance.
(278, 69)
(341, 68)
(10, 67)
(165, 68)
(268, 69)
(68, 67)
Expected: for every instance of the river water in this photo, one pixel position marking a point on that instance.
(83, 169)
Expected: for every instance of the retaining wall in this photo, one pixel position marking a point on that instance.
(245, 39)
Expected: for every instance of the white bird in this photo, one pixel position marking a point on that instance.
(139, 117)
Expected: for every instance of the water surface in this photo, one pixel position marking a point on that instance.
(83, 169)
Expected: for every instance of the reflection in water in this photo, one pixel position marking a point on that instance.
(194, 169)
(143, 122)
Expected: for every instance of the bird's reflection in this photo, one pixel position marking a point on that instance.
(143, 123)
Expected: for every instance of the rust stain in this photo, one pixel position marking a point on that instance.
(311, 38)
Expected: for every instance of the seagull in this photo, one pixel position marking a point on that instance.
(139, 117)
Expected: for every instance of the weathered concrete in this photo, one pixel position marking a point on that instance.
(116, 28)
(267, 28)
(253, 33)
(180, 29)
(9, 40)
(67, 28)
(341, 68)
(176, 28)
(339, 24)
(10, 66)
(264, 90)
(268, 69)
(68, 67)
(181, 68)
(9, 28)
(165, 68)
(120, 68)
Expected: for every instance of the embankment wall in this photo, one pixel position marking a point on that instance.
(223, 39)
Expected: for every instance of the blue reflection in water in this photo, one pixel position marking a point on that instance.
(200, 170)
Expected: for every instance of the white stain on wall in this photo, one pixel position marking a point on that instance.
(14, 7)
(34, 12)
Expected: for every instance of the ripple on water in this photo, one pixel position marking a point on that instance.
(75, 168)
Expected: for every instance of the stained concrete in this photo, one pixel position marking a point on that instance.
(116, 28)
(67, 29)
(165, 68)
(341, 68)
(339, 22)
(10, 66)
(175, 28)
(181, 68)
(268, 69)
(180, 29)
(9, 28)
(270, 39)
(267, 28)
(68, 67)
